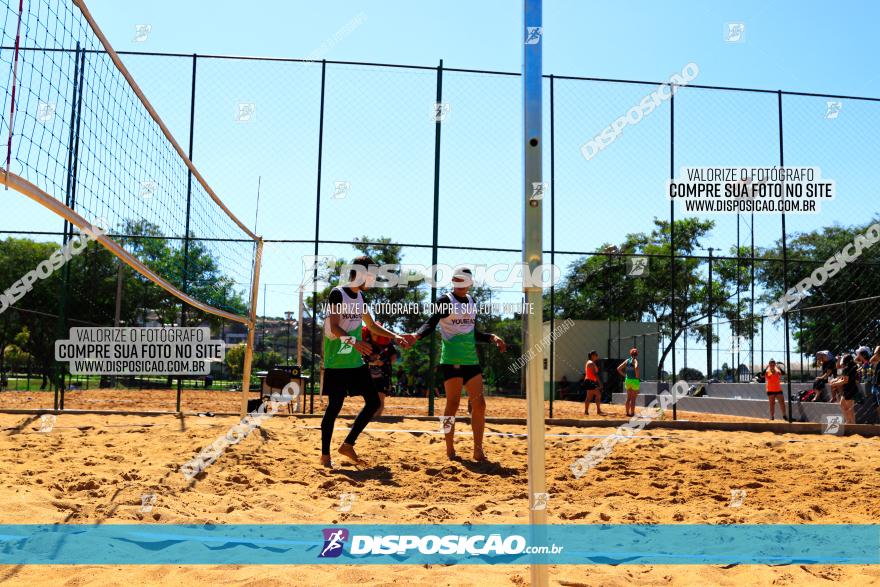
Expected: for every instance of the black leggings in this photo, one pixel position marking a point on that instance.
(337, 398)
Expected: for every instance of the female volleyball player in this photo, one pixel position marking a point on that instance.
(629, 370)
(382, 356)
(456, 314)
(344, 370)
(592, 384)
(773, 376)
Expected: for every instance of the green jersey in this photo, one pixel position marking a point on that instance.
(457, 321)
(350, 309)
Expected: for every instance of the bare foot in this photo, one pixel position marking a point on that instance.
(452, 456)
(480, 456)
(325, 461)
(601, 413)
(347, 451)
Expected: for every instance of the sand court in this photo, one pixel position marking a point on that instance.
(106, 469)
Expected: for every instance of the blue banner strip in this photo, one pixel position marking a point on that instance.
(139, 544)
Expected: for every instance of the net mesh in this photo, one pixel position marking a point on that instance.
(76, 128)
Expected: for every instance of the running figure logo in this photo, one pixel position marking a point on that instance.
(148, 189)
(832, 424)
(538, 189)
(141, 32)
(446, 424)
(735, 32)
(345, 501)
(540, 501)
(534, 34)
(636, 266)
(334, 540)
(341, 189)
(45, 111)
(47, 422)
(441, 111)
(317, 270)
(245, 111)
(737, 497)
(832, 109)
(148, 500)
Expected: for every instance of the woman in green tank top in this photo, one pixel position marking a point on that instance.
(455, 313)
(629, 370)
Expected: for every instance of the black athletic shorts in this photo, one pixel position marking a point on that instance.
(773, 393)
(382, 385)
(465, 372)
(354, 381)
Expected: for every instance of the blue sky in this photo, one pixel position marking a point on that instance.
(379, 136)
(795, 45)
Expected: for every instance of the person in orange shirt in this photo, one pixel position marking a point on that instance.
(773, 374)
(592, 384)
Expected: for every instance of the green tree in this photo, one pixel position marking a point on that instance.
(596, 287)
(235, 360)
(37, 309)
(835, 324)
(14, 354)
(690, 374)
(197, 274)
(84, 289)
(267, 359)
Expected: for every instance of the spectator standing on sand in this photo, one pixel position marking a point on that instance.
(828, 367)
(838, 382)
(773, 376)
(850, 386)
(873, 386)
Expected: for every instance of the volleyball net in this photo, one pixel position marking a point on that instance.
(81, 139)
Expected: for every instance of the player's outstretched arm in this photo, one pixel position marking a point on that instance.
(377, 328)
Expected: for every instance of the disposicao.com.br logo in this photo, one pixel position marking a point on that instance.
(403, 544)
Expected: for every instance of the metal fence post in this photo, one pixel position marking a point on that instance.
(752, 305)
(435, 234)
(784, 263)
(70, 201)
(316, 372)
(762, 341)
(735, 359)
(192, 122)
(552, 358)
(672, 245)
(709, 313)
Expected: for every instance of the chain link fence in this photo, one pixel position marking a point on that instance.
(423, 166)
